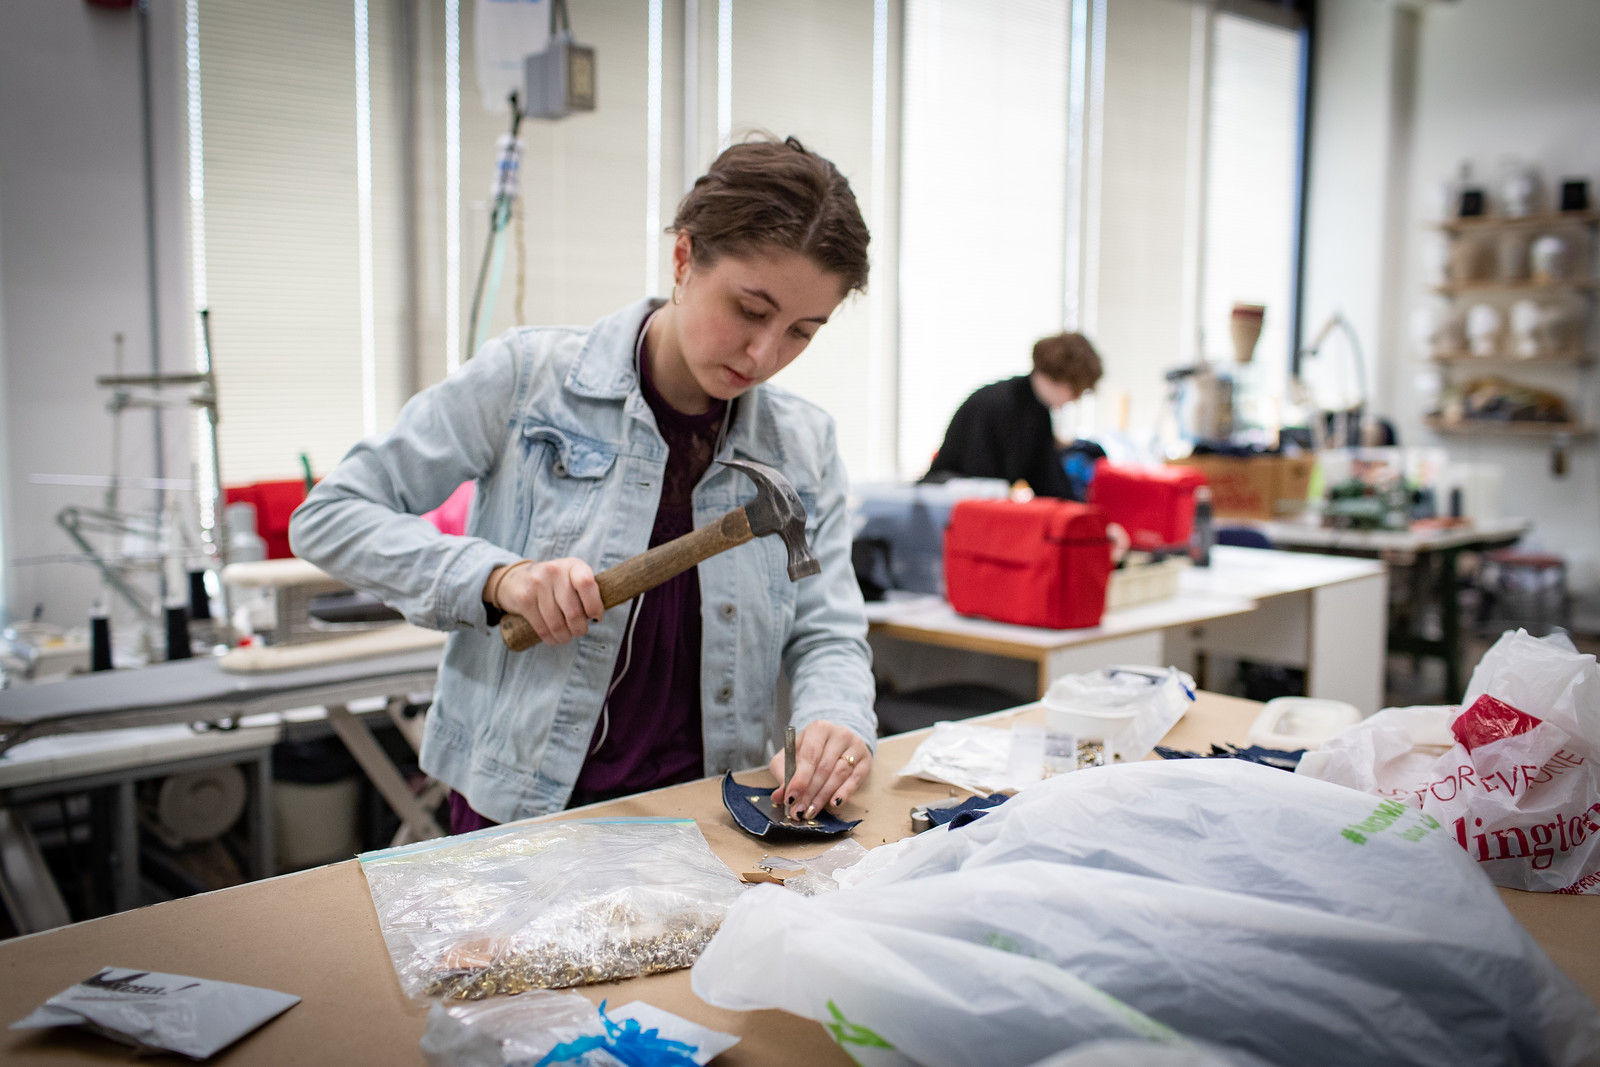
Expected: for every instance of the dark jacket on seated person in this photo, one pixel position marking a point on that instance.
(1003, 431)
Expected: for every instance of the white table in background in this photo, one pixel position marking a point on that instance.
(1323, 614)
(1431, 555)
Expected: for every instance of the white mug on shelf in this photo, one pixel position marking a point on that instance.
(1485, 330)
(1550, 259)
(1525, 337)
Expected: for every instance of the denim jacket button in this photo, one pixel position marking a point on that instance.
(729, 611)
(725, 694)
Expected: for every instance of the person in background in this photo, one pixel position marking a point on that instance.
(1004, 431)
(589, 446)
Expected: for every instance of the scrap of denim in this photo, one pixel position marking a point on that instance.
(969, 810)
(1267, 757)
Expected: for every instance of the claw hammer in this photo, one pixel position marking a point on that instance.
(775, 509)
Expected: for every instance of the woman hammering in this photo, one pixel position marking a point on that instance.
(590, 446)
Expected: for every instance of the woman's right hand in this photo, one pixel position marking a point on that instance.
(558, 597)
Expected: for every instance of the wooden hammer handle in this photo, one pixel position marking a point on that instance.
(646, 571)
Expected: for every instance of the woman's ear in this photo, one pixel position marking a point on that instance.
(682, 255)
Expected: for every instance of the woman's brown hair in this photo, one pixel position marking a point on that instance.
(776, 194)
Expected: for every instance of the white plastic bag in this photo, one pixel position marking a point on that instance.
(1212, 900)
(966, 755)
(1518, 787)
(986, 759)
(1152, 698)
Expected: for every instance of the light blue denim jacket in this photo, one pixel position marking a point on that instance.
(552, 425)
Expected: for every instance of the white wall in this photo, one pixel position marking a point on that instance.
(1402, 97)
(74, 272)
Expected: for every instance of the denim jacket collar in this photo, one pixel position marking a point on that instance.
(604, 371)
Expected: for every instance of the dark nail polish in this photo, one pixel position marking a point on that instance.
(837, 801)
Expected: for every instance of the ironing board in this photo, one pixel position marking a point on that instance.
(202, 691)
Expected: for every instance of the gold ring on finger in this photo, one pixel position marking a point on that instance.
(851, 760)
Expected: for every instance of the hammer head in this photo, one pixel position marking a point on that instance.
(777, 509)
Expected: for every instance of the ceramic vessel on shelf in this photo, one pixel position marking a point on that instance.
(1551, 260)
(1525, 316)
(1485, 330)
(1519, 189)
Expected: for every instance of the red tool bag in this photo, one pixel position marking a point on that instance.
(1154, 504)
(1041, 562)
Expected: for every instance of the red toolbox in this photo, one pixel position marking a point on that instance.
(1042, 562)
(1154, 504)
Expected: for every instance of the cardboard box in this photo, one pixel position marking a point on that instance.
(1255, 487)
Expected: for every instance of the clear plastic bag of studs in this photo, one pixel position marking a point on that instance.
(509, 909)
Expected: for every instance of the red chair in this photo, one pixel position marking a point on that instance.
(274, 503)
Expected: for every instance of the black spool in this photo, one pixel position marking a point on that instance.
(178, 646)
(199, 599)
(99, 643)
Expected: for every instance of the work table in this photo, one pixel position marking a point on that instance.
(315, 934)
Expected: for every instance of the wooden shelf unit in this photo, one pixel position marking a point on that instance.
(1491, 223)
(1581, 359)
(1573, 285)
(1512, 428)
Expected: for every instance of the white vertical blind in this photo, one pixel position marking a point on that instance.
(282, 263)
(806, 71)
(1251, 168)
(1145, 157)
(983, 191)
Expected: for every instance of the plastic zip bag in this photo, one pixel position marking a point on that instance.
(509, 909)
(161, 1012)
(1201, 900)
(1511, 774)
(967, 756)
(543, 1027)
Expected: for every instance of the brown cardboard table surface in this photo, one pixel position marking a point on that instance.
(315, 934)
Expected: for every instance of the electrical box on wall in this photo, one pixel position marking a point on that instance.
(559, 80)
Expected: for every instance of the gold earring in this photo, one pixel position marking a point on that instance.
(675, 298)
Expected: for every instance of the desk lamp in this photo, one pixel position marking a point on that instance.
(1353, 429)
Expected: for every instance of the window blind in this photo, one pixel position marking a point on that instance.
(806, 71)
(983, 188)
(1251, 169)
(1147, 161)
(282, 242)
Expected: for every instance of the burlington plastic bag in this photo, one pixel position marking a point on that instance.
(509, 909)
(1201, 900)
(1511, 774)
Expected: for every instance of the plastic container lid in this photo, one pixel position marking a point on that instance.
(1291, 723)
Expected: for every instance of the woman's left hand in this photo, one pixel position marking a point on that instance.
(830, 764)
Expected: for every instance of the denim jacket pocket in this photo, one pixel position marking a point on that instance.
(565, 471)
